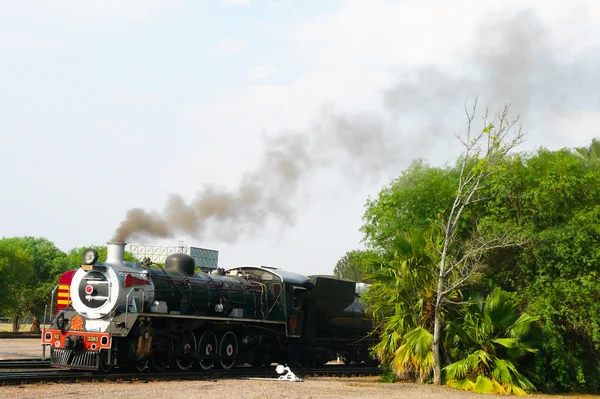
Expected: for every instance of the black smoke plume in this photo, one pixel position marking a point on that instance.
(512, 61)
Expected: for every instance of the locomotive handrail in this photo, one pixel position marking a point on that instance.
(109, 358)
(127, 305)
(112, 312)
(52, 301)
(141, 303)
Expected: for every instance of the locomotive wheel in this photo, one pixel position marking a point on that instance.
(185, 345)
(141, 366)
(228, 350)
(162, 351)
(104, 366)
(207, 346)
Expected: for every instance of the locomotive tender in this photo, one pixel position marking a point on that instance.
(127, 315)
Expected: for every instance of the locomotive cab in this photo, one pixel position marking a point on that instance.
(289, 289)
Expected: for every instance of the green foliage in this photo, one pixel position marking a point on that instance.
(495, 330)
(551, 200)
(354, 264)
(16, 271)
(414, 358)
(554, 197)
(387, 374)
(590, 154)
(32, 292)
(414, 200)
(401, 299)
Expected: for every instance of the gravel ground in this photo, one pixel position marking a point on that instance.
(362, 387)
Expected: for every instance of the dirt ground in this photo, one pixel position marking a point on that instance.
(352, 388)
(357, 387)
(20, 348)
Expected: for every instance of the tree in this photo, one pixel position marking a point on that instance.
(15, 275)
(47, 263)
(484, 155)
(556, 274)
(401, 299)
(590, 154)
(487, 337)
(415, 200)
(551, 199)
(354, 264)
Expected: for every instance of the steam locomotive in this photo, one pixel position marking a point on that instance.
(129, 315)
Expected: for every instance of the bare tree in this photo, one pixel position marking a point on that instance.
(484, 153)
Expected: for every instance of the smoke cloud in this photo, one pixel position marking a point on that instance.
(511, 61)
(267, 191)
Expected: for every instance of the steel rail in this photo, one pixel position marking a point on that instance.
(24, 363)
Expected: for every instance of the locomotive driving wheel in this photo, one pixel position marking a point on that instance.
(207, 348)
(184, 346)
(103, 363)
(141, 366)
(228, 350)
(162, 351)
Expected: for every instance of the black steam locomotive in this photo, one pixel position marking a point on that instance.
(125, 314)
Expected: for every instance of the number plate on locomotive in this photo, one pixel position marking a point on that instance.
(92, 339)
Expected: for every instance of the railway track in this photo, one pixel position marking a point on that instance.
(19, 335)
(60, 375)
(24, 363)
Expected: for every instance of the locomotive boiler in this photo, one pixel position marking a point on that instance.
(127, 314)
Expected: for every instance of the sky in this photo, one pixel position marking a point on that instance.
(260, 128)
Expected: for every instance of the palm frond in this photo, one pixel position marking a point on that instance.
(465, 384)
(483, 385)
(415, 354)
(521, 326)
(507, 342)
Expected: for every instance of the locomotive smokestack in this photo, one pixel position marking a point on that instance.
(115, 252)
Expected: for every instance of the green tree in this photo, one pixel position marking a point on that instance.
(415, 200)
(460, 260)
(590, 154)
(47, 263)
(354, 264)
(16, 270)
(401, 298)
(552, 199)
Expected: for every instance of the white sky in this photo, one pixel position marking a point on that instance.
(110, 104)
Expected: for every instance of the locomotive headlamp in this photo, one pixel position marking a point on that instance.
(89, 256)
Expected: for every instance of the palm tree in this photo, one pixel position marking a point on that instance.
(590, 154)
(401, 297)
(495, 329)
